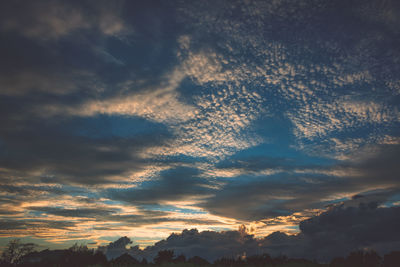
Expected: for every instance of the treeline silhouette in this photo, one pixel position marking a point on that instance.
(17, 254)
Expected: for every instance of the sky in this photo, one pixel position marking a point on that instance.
(261, 124)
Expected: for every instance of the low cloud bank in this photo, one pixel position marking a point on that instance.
(333, 233)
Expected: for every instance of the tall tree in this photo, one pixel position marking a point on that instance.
(16, 250)
(164, 256)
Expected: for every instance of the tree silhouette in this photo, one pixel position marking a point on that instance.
(77, 255)
(125, 259)
(226, 262)
(15, 251)
(143, 262)
(180, 259)
(392, 259)
(355, 259)
(79, 248)
(164, 256)
(99, 258)
(372, 259)
(282, 259)
(358, 259)
(258, 260)
(20, 254)
(338, 262)
(196, 260)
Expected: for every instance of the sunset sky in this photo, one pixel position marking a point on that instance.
(145, 118)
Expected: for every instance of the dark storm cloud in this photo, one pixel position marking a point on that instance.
(346, 229)
(297, 188)
(340, 230)
(363, 225)
(331, 234)
(173, 184)
(382, 165)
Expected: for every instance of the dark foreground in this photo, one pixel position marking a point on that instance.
(17, 254)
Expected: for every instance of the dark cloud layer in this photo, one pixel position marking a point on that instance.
(283, 193)
(32, 226)
(174, 184)
(87, 213)
(45, 145)
(349, 228)
(296, 188)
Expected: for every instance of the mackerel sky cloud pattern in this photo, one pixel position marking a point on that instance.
(140, 119)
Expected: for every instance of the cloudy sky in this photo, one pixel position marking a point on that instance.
(144, 118)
